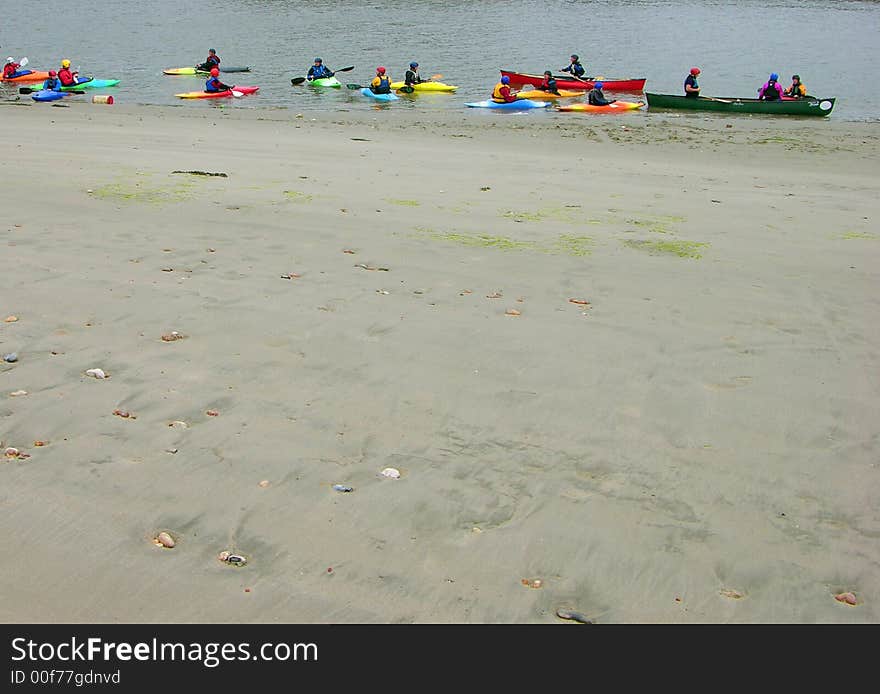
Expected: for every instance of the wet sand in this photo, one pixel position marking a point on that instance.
(698, 443)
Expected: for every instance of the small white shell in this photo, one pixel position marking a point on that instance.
(178, 424)
(96, 373)
(391, 472)
(16, 393)
(11, 452)
(165, 540)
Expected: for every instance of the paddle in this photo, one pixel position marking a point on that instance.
(23, 62)
(712, 98)
(31, 90)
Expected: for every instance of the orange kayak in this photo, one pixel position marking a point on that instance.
(616, 107)
(30, 77)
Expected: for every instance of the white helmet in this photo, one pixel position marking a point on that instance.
(10, 59)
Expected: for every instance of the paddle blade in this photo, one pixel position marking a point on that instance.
(297, 80)
(354, 86)
(345, 69)
(23, 62)
(26, 90)
(436, 77)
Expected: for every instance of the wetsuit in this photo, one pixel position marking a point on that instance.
(412, 77)
(597, 98)
(210, 62)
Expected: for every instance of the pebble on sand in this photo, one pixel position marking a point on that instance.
(10, 358)
(96, 373)
(582, 302)
(563, 613)
(212, 413)
(342, 488)
(264, 484)
(391, 472)
(16, 393)
(532, 582)
(164, 539)
(172, 336)
(15, 453)
(125, 414)
(11, 319)
(230, 558)
(848, 598)
(39, 444)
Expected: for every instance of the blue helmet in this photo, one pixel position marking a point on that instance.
(318, 60)
(505, 79)
(598, 85)
(413, 64)
(774, 77)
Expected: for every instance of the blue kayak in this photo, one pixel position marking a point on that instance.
(366, 91)
(518, 105)
(48, 95)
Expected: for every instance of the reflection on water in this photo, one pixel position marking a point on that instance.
(832, 45)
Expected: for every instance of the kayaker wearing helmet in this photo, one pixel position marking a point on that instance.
(213, 84)
(412, 75)
(502, 93)
(797, 90)
(53, 83)
(67, 78)
(548, 84)
(772, 90)
(10, 70)
(575, 68)
(212, 61)
(318, 71)
(381, 83)
(691, 87)
(596, 97)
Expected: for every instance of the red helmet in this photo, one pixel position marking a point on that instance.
(214, 72)
(52, 73)
(380, 70)
(695, 71)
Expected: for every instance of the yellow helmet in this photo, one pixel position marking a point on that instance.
(65, 63)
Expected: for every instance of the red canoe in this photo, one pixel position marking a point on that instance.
(518, 79)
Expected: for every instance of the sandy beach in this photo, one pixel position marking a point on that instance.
(698, 442)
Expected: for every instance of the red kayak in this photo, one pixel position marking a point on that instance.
(217, 95)
(518, 79)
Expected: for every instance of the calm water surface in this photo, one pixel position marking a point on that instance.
(834, 46)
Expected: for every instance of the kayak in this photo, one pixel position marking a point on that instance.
(216, 95)
(30, 76)
(90, 83)
(541, 95)
(326, 82)
(426, 86)
(616, 107)
(48, 95)
(732, 104)
(518, 105)
(366, 91)
(193, 71)
(618, 84)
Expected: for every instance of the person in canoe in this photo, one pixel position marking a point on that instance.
(212, 61)
(52, 83)
(797, 90)
(412, 75)
(502, 93)
(65, 76)
(548, 84)
(10, 70)
(691, 86)
(772, 90)
(319, 71)
(213, 84)
(575, 68)
(596, 97)
(381, 83)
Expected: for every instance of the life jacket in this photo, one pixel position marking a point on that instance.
(798, 89)
(548, 84)
(212, 60)
(52, 83)
(412, 77)
(213, 85)
(577, 69)
(318, 72)
(10, 69)
(770, 92)
(381, 84)
(498, 96)
(66, 77)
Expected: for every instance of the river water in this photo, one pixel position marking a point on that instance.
(833, 45)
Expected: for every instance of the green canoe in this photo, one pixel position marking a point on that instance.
(810, 106)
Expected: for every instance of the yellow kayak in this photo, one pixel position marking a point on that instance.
(427, 86)
(541, 95)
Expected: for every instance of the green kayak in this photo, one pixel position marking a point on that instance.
(90, 83)
(326, 82)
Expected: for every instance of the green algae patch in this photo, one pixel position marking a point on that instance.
(544, 214)
(145, 192)
(403, 203)
(682, 249)
(577, 246)
(297, 196)
(655, 225)
(857, 235)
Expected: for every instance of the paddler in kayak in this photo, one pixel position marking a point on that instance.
(797, 90)
(10, 70)
(381, 83)
(52, 83)
(691, 86)
(575, 68)
(213, 84)
(596, 97)
(412, 75)
(67, 78)
(548, 84)
(771, 90)
(212, 61)
(502, 93)
(318, 71)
